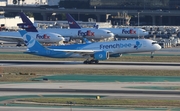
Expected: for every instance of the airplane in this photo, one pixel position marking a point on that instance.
(80, 33)
(118, 32)
(97, 51)
(42, 37)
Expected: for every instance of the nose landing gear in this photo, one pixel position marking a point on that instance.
(152, 54)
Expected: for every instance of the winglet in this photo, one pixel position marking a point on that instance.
(27, 24)
(72, 23)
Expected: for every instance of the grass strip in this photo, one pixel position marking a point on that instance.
(96, 102)
(123, 58)
(22, 74)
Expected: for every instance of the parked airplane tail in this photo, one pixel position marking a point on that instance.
(96, 26)
(27, 24)
(72, 23)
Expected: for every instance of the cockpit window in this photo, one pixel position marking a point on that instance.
(59, 36)
(108, 32)
(154, 42)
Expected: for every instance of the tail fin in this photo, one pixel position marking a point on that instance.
(27, 24)
(72, 23)
(22, 32)
(96, 26)
(33, 45)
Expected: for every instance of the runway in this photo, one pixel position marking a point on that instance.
(112, 90)
(64, 109)
(101, 65)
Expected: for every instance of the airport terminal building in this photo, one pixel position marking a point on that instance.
(157, 6)
(136, 4)
(128, 4)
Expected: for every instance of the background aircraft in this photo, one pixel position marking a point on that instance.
(43, 37)
(97, 51)
(80, 33)
(118, 32)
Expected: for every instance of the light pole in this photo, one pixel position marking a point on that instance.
(3, 11)
(138, 24)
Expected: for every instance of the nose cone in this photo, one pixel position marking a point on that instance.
(157, 47)
(111, 35)
(144, 33)
(61, 39)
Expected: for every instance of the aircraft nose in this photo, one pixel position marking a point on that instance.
(111, 34)
(146, 33)
(158, 47)
(61, 39)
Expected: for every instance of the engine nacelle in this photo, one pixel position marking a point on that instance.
(115, 55)
(102, 55)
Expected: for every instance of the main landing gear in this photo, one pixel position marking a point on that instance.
(91, 61)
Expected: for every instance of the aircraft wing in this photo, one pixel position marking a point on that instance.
(82, 52)
(11, 38)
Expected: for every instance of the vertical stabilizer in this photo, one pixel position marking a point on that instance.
(27, 24)
(32, 44)
(72, 23)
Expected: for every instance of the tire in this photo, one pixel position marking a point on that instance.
(96, 61)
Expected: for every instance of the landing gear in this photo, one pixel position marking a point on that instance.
(18, 44)
(91, 61)
(152, 54)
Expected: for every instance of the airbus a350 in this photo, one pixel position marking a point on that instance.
(93, 52)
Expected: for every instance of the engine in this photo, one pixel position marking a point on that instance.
(102, 55)
(115, 55)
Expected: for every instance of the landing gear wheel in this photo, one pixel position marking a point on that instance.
(91, 61)
(152, 54)
(85, 62)
(96, 61)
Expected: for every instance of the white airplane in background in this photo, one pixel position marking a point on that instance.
(43, 37)
(80, 33)
(118, 32)
(126, 32)
(97, 51)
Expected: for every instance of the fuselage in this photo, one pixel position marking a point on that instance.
(43, 37)
(84, 32)
(128, 32)
(113, 47)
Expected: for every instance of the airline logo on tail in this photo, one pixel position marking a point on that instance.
(87, 33)
(131, 31)
(71, 23)
(44, 36)
(30, 42)
(24, 26)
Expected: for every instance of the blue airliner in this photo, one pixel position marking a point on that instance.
(93, 52)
